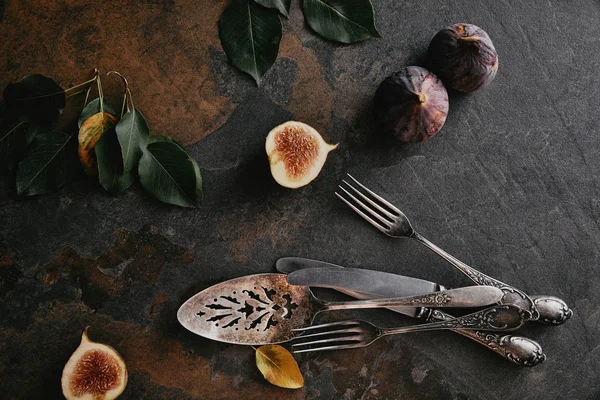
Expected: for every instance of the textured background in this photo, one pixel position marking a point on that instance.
(510, 186)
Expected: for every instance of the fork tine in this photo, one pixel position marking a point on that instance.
(355, 338)
(378, 197)
(362, 214)
(349, 330)
(338, 347)
(368, 209)
(372, 203)
(327, 325)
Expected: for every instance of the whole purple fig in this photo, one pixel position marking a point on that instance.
(464, 57)
(411, 105)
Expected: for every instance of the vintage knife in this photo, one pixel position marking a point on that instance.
(518, 349)
(365, 283)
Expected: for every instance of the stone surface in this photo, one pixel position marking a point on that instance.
(510, 186)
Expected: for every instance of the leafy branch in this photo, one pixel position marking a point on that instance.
(251, 30)
(115, 149)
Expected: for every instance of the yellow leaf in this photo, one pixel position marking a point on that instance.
(89, 133)
(279, 367)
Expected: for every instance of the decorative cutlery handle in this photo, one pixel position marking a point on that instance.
(470, 296)
(512, 295)
(518, 349)
(552, 310)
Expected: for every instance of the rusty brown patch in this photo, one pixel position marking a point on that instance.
(348, 368)
(312, 99)
(141, 256)
(137, 256)
(96, 287)
(244, 229)
(163, 53)
(160, 299)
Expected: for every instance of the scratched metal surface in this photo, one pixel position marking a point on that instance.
(510, 186)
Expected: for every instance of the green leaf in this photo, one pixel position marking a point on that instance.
(12, 143)
(345, 21)
(46, 166)
(111, 175)
(170, 173)
(32, 129)
(35, 98)
(133, 133)
(92, 108)
(282, 5)
(250, 36)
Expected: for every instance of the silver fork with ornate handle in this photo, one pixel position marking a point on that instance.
(355, 334)
(384, 216)
(518, 349)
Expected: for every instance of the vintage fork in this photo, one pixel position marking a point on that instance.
(357, 333)
(384, 216)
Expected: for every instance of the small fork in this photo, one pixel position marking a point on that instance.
(354, 334)
(384, 216)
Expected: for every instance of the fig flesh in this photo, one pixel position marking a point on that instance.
(464, 57)
(411, 105)
(95, 371)
(297, 153)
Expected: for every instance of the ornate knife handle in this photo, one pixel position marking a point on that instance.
(512, 295)
(518, 349)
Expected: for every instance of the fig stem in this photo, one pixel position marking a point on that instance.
(126, 93)
(83, 84)
(89, 89)
(469, 39)
(84, 335)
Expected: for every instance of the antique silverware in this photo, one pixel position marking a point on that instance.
(363, 281)
(368, 283)
(265, 308)
(372, 284)
(390, 220)
(354, 334)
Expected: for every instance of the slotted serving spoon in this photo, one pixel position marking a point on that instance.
(265, 308)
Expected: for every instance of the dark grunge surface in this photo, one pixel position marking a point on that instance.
(510, 186)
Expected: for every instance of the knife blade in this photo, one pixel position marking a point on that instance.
(356, 282)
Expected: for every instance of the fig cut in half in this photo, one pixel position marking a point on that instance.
(297, 153)
(95, 371)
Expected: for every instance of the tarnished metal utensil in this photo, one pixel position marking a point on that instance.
(375, 284)
(387, 218)
(265, 308)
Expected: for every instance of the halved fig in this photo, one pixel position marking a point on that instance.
(297, 153)
(95, 371)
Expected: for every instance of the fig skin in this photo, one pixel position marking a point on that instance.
(95, 371)
(411, 105)
(297, 153)
(464, 57)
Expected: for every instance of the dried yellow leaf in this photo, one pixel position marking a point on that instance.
(279, 367)
(89, 133)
